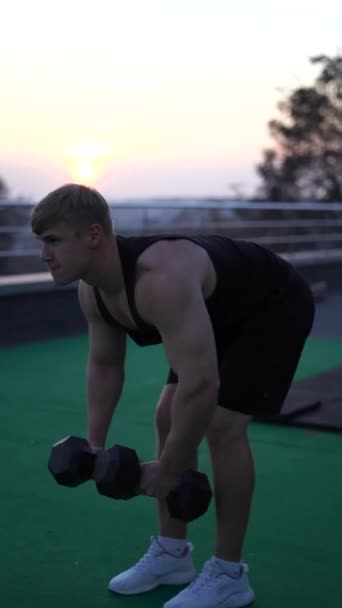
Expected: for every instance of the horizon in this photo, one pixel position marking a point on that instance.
(151, 98)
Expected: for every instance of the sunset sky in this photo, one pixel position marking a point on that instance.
(150, 97)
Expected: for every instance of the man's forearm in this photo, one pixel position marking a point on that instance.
(192, 411)
(104, 385)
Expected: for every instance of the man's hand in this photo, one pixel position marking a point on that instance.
(155, 481)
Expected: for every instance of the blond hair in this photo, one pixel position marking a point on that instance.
(76, 205)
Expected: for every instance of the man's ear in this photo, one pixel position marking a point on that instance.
(95, 235)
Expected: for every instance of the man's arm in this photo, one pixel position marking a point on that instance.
(105, 368)
(174, 303)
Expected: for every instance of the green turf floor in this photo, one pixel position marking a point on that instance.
(60, 546)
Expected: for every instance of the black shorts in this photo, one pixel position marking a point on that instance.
(257, 366)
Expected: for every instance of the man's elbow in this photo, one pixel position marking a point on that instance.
(211, 386)
(103, 367)
(206, 385)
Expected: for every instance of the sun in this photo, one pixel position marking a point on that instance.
(85, 171)
(86, 161)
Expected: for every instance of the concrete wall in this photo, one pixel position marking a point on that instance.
(36, 310)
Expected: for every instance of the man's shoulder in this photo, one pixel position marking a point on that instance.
(175, 253)
(169, 269)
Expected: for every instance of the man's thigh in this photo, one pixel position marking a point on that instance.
(256, 372)
(258, 368)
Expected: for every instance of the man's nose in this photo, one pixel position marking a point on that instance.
(45, 254)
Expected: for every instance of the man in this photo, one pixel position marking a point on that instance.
(233, 319)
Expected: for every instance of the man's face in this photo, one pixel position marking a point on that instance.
(65, 252)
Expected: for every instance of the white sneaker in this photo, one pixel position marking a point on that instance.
(155, 568)
(213, 588)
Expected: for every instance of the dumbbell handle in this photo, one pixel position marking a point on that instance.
(118, 476)
(179, 501)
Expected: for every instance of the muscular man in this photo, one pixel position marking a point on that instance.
(232, 317)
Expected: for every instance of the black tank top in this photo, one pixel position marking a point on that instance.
(246, 275)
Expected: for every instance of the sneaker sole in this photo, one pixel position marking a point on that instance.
(177, 578)
(239, 600)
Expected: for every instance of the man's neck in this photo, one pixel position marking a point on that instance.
(106, 273)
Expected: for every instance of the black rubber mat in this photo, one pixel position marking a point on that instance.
(314, 402)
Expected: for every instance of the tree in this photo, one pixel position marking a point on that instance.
(3, 189)
(306, 163)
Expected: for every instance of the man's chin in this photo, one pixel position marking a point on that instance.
(62, 281)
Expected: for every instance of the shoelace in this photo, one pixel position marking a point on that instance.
(152, 552)
(207, 578)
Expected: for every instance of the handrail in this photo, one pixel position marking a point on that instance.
(231, 224)
(284, 227)
(199, 203)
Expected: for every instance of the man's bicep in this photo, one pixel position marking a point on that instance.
(190, 345)
(181, 316)
(107, 345)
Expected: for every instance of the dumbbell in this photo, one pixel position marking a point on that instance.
(117, 475)
(72, 461)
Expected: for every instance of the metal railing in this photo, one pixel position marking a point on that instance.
(283, 227)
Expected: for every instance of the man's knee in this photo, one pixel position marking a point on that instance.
(226, 427)
(163, 411)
